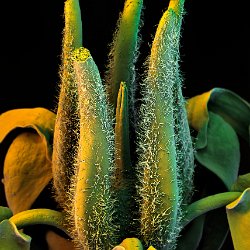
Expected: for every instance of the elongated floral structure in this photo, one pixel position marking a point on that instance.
(121, 133)
(161, 186)
(123, 52)
(124, 174)
(184, 145)
(92, 211)
(67, 120)
(183, 141)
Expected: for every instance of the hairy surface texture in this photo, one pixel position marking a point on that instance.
(162, 144)
(92, 205)
(67, 119)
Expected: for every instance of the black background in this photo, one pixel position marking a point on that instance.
(214, 46)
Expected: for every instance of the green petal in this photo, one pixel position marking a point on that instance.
(242, 183)
(238, 214)
(11, 238)
(233, 109)
(5, 213)
(227, 104)
(217, 148)
(215, 230)
(191, 236)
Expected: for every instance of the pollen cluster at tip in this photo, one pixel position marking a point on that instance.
(80, 54)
